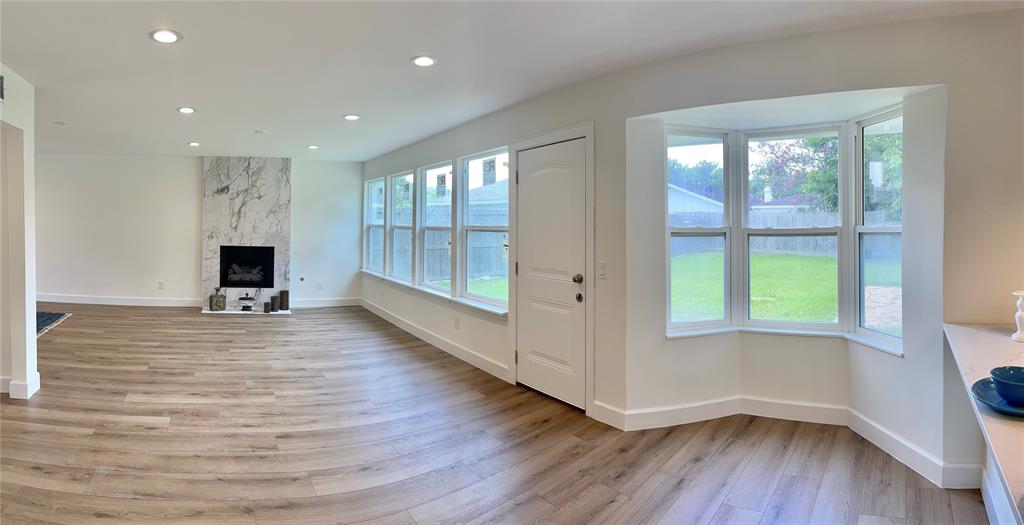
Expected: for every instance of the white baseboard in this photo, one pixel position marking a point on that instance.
(795, 410)
(681, 414)
(607, 414)
(117, 300)
(999, 503)
(296, 302)
(5, 384)
(946, 475)
(24, 389)
(495, 368)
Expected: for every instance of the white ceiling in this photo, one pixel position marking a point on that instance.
(294, 68)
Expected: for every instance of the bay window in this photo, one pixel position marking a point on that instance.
(791, 229)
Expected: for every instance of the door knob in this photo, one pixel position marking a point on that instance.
(578, 278)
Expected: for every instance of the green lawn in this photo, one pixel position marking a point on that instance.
(800, 288)
(494, 287)
(783, 287)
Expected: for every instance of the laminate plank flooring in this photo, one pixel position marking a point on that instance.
(333, 415)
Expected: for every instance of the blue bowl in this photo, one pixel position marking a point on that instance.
(1009, 381)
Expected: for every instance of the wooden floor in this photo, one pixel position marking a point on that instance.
(335, 416)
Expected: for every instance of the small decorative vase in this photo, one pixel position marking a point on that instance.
(218, 301)
(284, 300)
(247, 302)
(1019, 317)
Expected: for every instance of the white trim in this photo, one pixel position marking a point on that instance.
(117, 300)
(5, 384)
(607, 414)
(486, 308)
(922, 461)
(881, 344)
(889, 345)
(824, 413)
(681, 414)
(946, 475)
(24, 389)
(495, 368)
(320, 302)
(998, 503)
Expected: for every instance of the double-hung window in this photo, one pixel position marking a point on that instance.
(437, 189)
(698, 234)
(484, 181)
(402, 225)
(792, 226)
(373, 232)
(880, 223)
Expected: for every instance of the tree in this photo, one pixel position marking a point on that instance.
(703, 178)
(808, 167)
(886, 148)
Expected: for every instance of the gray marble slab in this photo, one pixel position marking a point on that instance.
(246, 202)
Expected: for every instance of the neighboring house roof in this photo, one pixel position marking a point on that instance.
(490, 192)
(695, 195)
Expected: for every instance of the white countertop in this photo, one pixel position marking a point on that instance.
(977, 350)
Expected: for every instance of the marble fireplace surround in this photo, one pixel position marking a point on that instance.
(246, 202)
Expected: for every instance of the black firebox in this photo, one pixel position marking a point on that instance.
(247, 266)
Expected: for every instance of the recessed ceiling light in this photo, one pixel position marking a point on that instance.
(312, 146)
(60, 123)
(165, 36)
(185, 110)
(260, 131)
(194, 144)
(351, 117)
(423, 61)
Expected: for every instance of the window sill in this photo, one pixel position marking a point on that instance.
(500, 312)
(893, 348)
(882, 344)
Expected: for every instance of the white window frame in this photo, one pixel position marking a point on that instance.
(858, 164)
(368, 224)
(722, 231)
(420, 182)
(463, 229)
(743, 239)
(391, 228)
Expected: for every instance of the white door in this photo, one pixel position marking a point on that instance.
(551, 251)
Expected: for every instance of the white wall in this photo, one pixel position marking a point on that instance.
(477, 337)
(19, 372)
(979, 58)
(111, 228)
(326, 211)
(5, 253)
